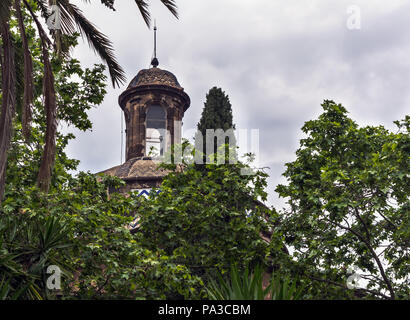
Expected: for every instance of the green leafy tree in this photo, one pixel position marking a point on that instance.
(349, 206)
(75, 97)
(83, 231)
(208, 219)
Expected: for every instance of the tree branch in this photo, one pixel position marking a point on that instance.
(372, 252)
(346, 288)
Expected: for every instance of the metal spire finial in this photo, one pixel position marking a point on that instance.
(155, 61)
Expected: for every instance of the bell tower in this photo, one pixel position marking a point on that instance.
(154, 104)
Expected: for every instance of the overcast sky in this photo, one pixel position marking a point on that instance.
(276, 59)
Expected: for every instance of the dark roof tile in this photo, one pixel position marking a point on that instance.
(137, 168)
(154, 76)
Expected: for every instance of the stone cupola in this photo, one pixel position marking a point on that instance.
(153, 104)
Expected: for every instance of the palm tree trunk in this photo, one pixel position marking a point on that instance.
(8, 101)
(28, 75)
(50, 106)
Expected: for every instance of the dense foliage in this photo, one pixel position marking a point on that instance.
(79, 229)
(349, 203)
(208, 219)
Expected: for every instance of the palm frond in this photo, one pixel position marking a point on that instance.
(67, 25)
(108, 3)
(249, 286)
(44, 10)
(97, 40)
(246, 286)
(143, 8)
(171, 6)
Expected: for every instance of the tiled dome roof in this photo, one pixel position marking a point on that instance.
(154, 76)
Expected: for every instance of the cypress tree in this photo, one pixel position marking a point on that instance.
(217, 114)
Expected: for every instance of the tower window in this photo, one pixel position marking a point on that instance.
(156, 131)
